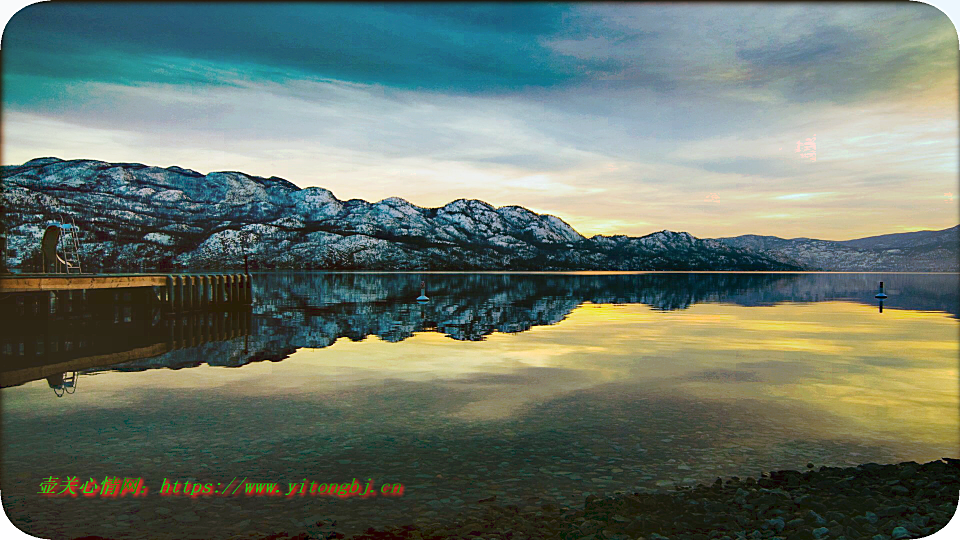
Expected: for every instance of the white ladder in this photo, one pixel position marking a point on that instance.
(70, 246)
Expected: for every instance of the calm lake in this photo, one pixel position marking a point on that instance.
(527, 387)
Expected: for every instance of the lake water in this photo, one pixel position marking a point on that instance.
(527, 387)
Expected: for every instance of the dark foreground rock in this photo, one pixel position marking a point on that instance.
(879, 502)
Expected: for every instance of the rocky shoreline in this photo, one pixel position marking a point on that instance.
(879, 502)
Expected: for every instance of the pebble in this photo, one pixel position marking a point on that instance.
(811, 510)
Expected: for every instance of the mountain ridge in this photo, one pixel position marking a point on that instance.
(178, 218)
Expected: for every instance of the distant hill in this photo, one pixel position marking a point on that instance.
(906, 240)
(921, 251)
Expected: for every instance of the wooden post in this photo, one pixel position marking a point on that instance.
(192, 287)
(189, 295)
(202, 290)
(242, 288)
(178, 294)
(184, 293)
(213, 291)
(168, 295)
(236, 290)
(228, 289)
(197, 292)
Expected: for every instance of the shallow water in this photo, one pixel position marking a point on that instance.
(533, 387)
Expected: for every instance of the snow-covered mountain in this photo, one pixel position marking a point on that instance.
(921, 251)
(175, 218)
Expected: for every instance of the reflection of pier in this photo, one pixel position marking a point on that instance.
(43, 294)
(135, 331)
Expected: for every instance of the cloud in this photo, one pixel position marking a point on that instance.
(478, 48)
(622, 119)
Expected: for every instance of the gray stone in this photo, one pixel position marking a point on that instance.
(899, 532)
(590, 527)
(776, 524)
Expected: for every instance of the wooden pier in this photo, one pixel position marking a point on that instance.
(174, 292)
(55, 323)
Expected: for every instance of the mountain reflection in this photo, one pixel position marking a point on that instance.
(314, 310)
(472, 306)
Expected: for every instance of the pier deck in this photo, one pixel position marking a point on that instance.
(176, 292)
(73, 282)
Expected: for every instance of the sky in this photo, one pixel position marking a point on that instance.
(831, 121)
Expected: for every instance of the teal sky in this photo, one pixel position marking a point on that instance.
(827, 121)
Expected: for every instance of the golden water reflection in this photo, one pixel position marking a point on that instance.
(889, 376)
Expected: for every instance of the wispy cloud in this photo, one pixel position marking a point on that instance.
(623, 119)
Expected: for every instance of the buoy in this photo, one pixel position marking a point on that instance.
(881, 294)
(423, 292)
